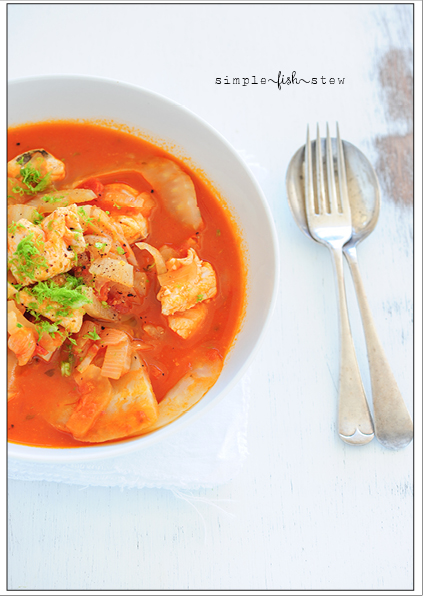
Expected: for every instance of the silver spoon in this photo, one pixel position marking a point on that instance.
(393, 424)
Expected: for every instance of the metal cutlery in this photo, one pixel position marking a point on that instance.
(329, 221)
(393, 424)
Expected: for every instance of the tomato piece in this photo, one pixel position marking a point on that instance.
(93, 184)
(104, 291)
(23, 344)
(40, 350)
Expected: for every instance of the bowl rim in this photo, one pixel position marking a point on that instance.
(104, 451)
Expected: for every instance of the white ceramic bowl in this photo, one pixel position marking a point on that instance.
(167, 124)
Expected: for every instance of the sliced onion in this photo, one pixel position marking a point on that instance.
(111, 336)
(117, 360)
(91, 354)
(156, 254)
(18, 317)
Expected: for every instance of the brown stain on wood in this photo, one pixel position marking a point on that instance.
(395, 164)
(396, 80)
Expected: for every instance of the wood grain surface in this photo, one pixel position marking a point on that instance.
(307, 512)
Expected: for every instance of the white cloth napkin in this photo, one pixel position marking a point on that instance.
(207, 453)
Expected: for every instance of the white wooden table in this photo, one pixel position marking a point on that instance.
(307, 511)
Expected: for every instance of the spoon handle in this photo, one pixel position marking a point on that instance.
(393, 424)
(354, 420)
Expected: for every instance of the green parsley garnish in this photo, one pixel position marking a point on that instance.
(65, 369)
(50, 199)
(27, 257)
(14, 227)
(69, 295)
(200, 297)
(47, 327)
(120, 250)
(32, 179)
(37, 218)
(84, 216)
(92, 335)
(100, 245)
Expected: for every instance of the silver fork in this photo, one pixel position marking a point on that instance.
(329, 221)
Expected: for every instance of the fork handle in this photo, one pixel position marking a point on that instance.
(393, 424)
(354, 420)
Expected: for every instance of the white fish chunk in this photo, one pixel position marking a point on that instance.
(187, 282)
(39, 252)
(134, 227)
(185, 324)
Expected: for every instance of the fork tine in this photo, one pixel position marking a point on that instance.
(342, 175)
(321, 195)
(331, 174)
(309, 192)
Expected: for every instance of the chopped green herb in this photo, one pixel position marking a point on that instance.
(85, 217)
(19, 325)
(47, 327)
(92, 335)
(13, 228)
(37, 218)
(100, 245)
(65, 369)
(19, 190)
(32, 179)
(51, 199)
(69, 295)
(200, 297)
(32, 312)
(120, 250)
(27, 257)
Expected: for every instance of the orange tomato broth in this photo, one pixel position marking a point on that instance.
(87, 148)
